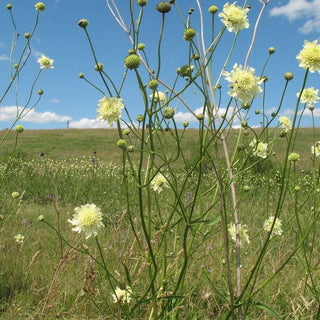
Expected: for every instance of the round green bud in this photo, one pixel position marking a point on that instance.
(246, 106)
(311, 108)
(318, 190)
(121, 143)
(246, 188)
(141, 46)
(282, 134)
(27, 35)
(245, 132)
(273, 114)
(15, 195)
(40, 6)
(189, 34)
(265, 78)
(185, 71)
(213, 9)
(9, 6)
(140, 118)
(142, 3)
(126, 131)
(132, 61)
(257, 111)
(272, 50)
(185, 124)
(163, 6)
(40, 92)
(81, 75)
(41, 218)
(288, 76)
(190, 10)
(172, 1)
(168, 112)
(153, 84)
(219, 86)
(196, 56)
(98, 66)
(19, 128)
(297, 188)
(294, 157)
(244, 124)
(130, 148)
(83, 23)
(200, 116)
(16, 66)
(131, 51)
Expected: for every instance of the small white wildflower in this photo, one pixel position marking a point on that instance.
(19, 238)
(244, 237)
(316, 149)
(110, 109)
(122, 296)
(234, 17)
(87, 219)
(285, 123)
(277, 230)
(45, 62)
(309, 56)
(158, 96)
(159, 182)
(309, 96)
(260, 149)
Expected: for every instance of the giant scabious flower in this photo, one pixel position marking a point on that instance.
(260, 149)
(309, 56)
(277, 228)
(243, 233)
(309, 96)
(87, 219)
(122, 295)
(159, 182)
(315, 149)
(285, 123)
(243, 83)
(110, 109)
(45, 62)
(234, 17)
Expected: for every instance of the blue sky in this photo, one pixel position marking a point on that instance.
(285, 25)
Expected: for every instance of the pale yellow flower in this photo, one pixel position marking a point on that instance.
(243, 83)
(45, 62)
(110, 109)
(243, 233)
(87, 219)
(309, 96)
(260, 149)
(19, 238)
(285, 123)
(158, 96)
(277, 230)
(122, 296)
(316, 149)
(234, 17)
(159, 182)
(309, 56)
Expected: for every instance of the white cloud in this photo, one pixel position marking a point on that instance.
(54, 101)
(89, 123)
(4, 57)
(9, 113)
(301, 9)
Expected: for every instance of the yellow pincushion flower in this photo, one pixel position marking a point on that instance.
(309, 96)
(45, 62)
(309, 56)
(243, 83)
(234, 17)
(110, 109)
(159, 182)
(285, 123)
(87, 219)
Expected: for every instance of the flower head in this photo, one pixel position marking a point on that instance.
(234, 17)
(309, 56)
(158, 96)
(277, 230)
(19, 238)
(159, 182)
(260, 149)
(87, 219)
(243, 83)
(45, 62)
(309, 96)
(122, 295)
(316, 149)
(243, 233)
(40, 6)
(110, 109)
(285, 123)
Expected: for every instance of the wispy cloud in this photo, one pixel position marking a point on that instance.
(301, 9)
(55, 101)
(9, 113)
(89, 123)
(4, 57)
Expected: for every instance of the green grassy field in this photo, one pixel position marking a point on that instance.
(46, 278)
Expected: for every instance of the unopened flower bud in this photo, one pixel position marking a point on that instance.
(196, 56)
(168, 112)
(246, 188)
(246, 106)
(163, 6)
(185, 124)
(83, 23)
(172, 1)
(40, 6)
(141, 46)
(15, 195)
(27, 35)
(130, 148)
(9, 6)
(142, 3)
(153, 84)
(189, 34)
(140, 118)
(213, 9)
(16, 66)
(200, 116)
(19, 128)
(40, 92)
(81, 75)
(297, 188)
(41, 218)
(294, 157)
(311, 107)
(132, 61)
(126, 131)
(272, 50)
(244, 124)
(257, 111)
(288, 76)
(98, 66)
(121, 143)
